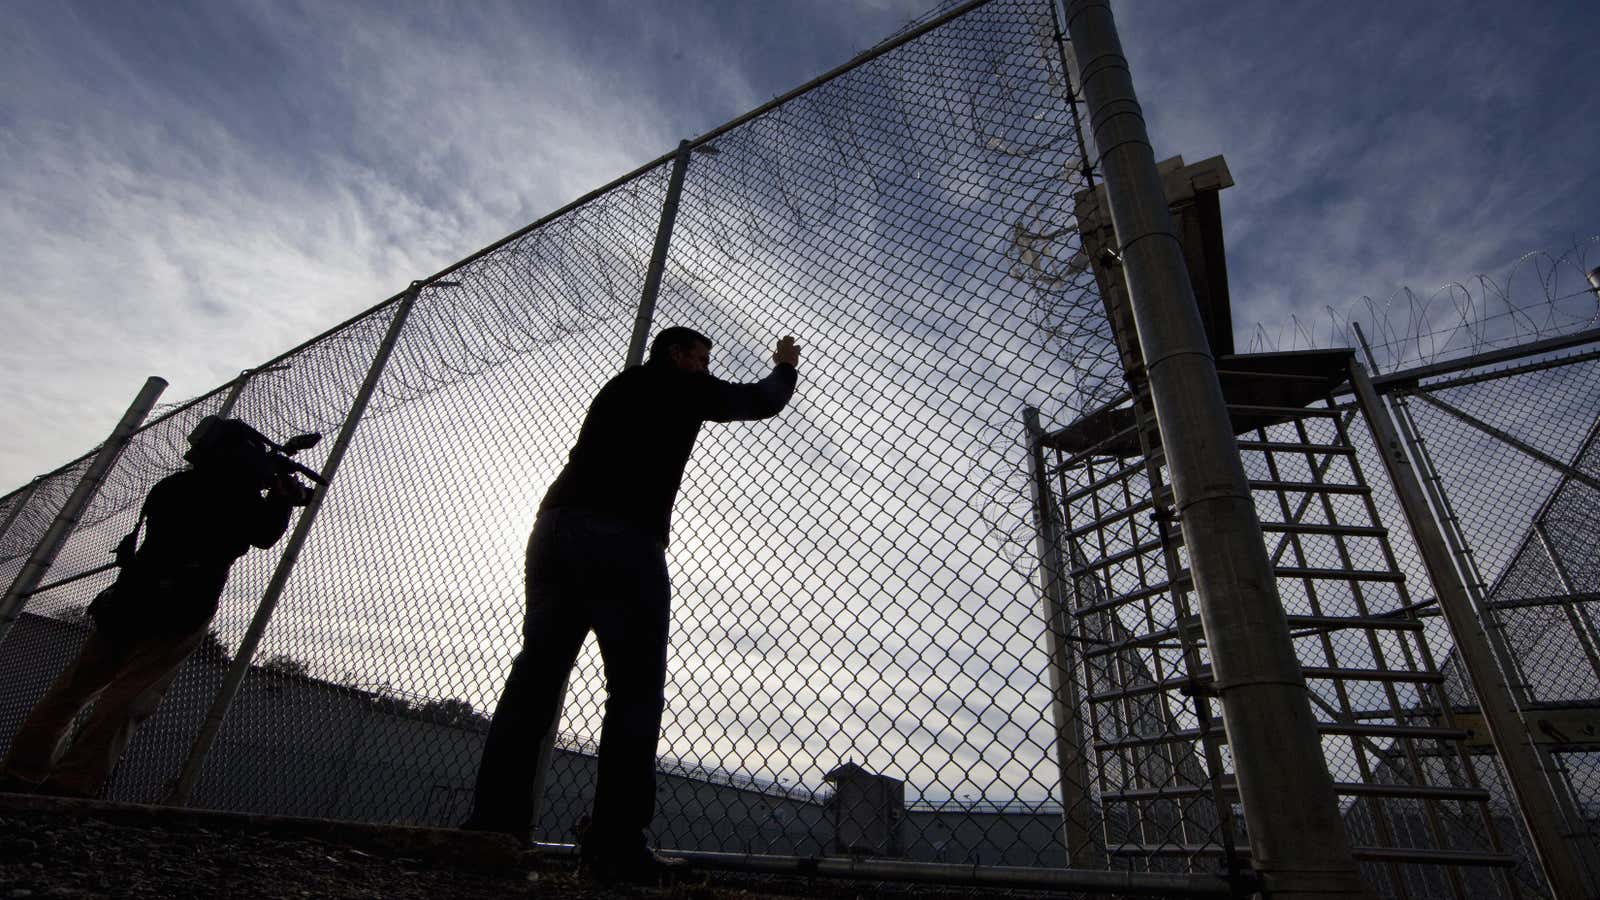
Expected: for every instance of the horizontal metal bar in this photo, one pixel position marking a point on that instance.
(1371, 674)
(1105, 562)
(1488, 358)
(1435, 857)
(1325, 412)
(1181, 736)
(1324, 672)
(1102, 521)
(1104, 481)
(1293, 447)
(1190, 735)
(1424, 856)
(1317, 574)
(1308, 487)
(1409, 791)
(1317, 528)
(1338, 622)
(1093, 881)
(1415, 732)
(1345, 788)
(1543, 365)
(1094, 449)
(1143, 640)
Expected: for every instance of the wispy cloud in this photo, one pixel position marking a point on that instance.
(194, 188)
(1375, 147)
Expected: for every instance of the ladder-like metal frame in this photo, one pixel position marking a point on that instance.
(1378, 692)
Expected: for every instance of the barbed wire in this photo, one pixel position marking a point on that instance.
(1541, 295)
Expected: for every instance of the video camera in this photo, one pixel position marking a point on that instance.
(232, 445)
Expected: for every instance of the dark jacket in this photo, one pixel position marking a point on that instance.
(637, 437)
(196, 524)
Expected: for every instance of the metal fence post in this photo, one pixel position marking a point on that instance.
(1083, 852)
(1534, 795)
(642, 323)
(44, 553)
(189, 776)
(1299, 844)
(658, 257)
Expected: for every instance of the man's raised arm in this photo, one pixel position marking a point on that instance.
(724, 401)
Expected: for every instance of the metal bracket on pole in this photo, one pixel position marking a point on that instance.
(1083, 851)
(1535, 796)
(44, 553)
(1299, 843)
(189, 776)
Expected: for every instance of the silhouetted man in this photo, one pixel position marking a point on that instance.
(197, 522)
(597, 560)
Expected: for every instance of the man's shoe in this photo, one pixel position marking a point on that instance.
(642, 866)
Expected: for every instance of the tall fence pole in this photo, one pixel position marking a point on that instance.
(1077, 830)
(642, 323)
(1299, 845)
(1535, 797)
(658, 257)
(44, 553)
(189, 776)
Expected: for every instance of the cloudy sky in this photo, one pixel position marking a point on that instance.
(191, 188)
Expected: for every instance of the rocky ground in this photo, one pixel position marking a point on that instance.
(67, 849)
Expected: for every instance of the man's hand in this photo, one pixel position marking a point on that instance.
(787, 352)
(291, 489)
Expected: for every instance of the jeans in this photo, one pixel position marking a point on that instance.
(125, 678)
(585, 570)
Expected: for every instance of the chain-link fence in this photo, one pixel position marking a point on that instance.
(856, 658)
(861, 661)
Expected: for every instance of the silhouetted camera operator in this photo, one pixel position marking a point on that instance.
(197, 522)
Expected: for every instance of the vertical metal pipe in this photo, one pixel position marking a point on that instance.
(658, 257)
(1535, 797)
(189, 776)
(1298, 841)
(1083, 852)
(44, 553)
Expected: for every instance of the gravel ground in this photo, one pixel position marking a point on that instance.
(71, 852)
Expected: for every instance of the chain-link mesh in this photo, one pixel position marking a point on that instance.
(854, 617)
(861, 658)
(1525, 518)
(1497, 501)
